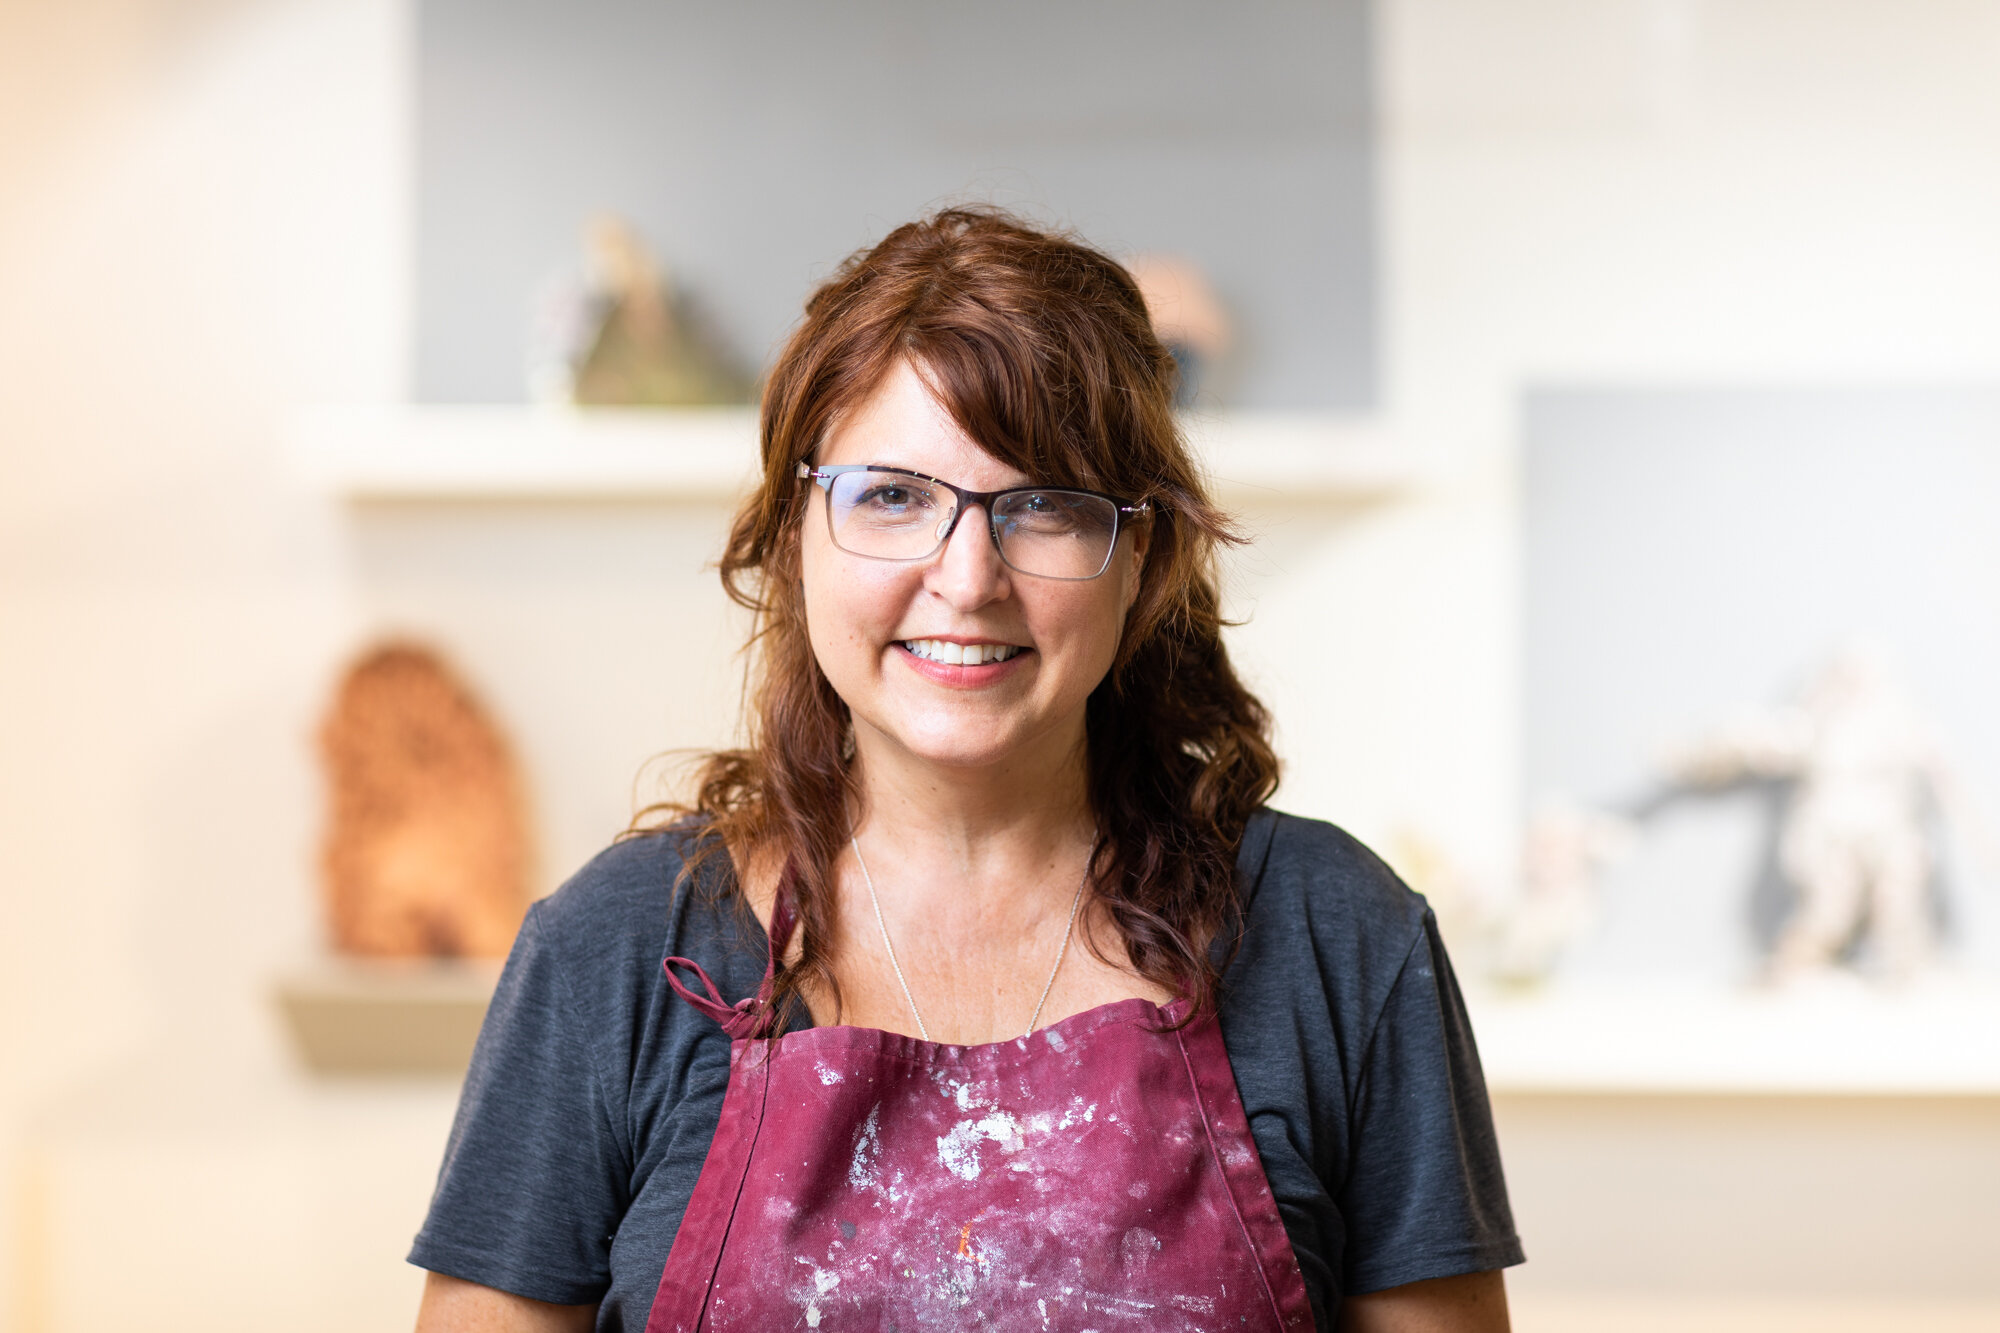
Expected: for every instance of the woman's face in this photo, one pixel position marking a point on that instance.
(876, 625)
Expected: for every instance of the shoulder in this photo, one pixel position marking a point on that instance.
(609, 926)
(1356, 1067)
(1308, 870)
(629, 884)
(1325, 913)
(586, 1070)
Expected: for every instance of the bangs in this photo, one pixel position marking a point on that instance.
(1005, 395)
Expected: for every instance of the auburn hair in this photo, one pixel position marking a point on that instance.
(1041, 349)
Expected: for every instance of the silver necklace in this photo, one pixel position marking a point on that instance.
(922, 1031)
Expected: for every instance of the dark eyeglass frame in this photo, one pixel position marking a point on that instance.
(824, 477)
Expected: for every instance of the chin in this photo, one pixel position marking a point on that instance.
(967, 753)
(954, 744)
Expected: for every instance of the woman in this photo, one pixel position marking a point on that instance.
(992, 996)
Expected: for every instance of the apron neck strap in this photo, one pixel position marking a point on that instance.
(753, 1016)
(783, 919)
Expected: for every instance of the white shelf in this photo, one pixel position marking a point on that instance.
(397, 452)
(1284, 458)
(474, 453)
(1939, 1038)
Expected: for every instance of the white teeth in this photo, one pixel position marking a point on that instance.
(960, 654)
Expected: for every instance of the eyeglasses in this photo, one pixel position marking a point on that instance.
(1049, 532)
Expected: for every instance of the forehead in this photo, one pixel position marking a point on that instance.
(904, 425)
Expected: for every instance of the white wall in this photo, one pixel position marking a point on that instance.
(202, 224)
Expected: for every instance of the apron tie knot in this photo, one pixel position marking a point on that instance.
(745, 1018)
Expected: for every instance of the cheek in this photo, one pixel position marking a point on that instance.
(849, 612)
(1090, 631)
(821, 598)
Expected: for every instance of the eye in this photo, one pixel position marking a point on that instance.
(885, 499)
(1042, 511)
(886, 493)
(889, 495)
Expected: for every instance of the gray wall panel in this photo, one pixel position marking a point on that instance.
(1690, 554)
(756, 144)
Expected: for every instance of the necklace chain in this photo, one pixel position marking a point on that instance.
(1068, 928)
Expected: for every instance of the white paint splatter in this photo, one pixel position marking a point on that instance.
(812, 1314)
(967, 1095)
(1126, 1307)
(958, 1151)
(828, 1076)
(1136, 1250)
(867, 1149)
(1077, 1112)
(1055, 1039)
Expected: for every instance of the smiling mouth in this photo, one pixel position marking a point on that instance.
(960, 654)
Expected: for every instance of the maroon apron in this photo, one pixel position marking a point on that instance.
(1098, 1172)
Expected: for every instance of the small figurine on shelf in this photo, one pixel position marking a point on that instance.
(1187, 316)
(1565, 851)
(1515, 928)
(426, 852)
(623, 337)
(1854, 841)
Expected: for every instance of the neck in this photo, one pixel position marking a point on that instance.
(954, 838)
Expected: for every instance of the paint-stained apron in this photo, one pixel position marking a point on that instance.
(1096, 1174)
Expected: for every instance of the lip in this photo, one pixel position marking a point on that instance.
(961, 677)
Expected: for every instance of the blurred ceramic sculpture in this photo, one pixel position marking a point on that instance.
(1564, 851)
(426, 852)
(1458, 896)
(1515, 928)
(1853, 842)
(623, 337)
(1187, 316)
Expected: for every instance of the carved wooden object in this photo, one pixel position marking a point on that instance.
(427, 850)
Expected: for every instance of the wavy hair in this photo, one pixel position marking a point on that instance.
(1041, 349)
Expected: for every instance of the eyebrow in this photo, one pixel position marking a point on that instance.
(932, 476)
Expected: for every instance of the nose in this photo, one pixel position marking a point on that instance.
(968, 572)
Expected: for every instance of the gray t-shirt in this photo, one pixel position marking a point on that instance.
(595, 1090)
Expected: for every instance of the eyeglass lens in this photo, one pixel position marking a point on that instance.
(895, 516)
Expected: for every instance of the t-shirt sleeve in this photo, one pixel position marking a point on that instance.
(1424, 1196)
(535, 1175)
